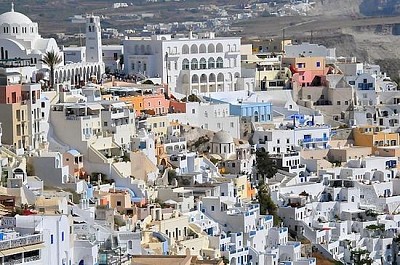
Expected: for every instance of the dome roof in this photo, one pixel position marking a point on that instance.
(13, 17)
(222, 137)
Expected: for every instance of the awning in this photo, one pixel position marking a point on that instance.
(95, 106)
(33, 247)
(12, 251)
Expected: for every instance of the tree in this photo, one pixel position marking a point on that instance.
(267, 205)
(266, 167)
(51, 59)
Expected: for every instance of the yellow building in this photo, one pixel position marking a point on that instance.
(375, 137)
(243, 186)
(158, 125)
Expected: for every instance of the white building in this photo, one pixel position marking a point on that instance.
(118, 120)
(20, 247)
(209, 116)
(20, 38)
(36, 111)
(310, 50)
(112, 57)
(194, 64)
(285, 140)
(57, 236)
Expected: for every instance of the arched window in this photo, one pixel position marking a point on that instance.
(202, 48)
(220, 62)
(211, 63)
(219, 47)
(203, 78)
(212, 77)
(194, 64)
(220, 77)
(203, 63)
(194, 49)
(185, 64)
(185, 49)
(195, 79)
(211, 48)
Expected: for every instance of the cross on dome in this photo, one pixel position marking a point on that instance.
(12, 6)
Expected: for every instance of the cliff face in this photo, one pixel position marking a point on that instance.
(380, 7)
(358, 7)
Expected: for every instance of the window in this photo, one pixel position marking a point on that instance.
(232, 125)
(193, 111)
(185, 64)
(194, 64)
(119, 203)
(338, 102)
(220, 62)
(51, 239)
(318, 64)
(62, 236)
(212, 208)
(105, 123)
(203, 63)
(346, 103)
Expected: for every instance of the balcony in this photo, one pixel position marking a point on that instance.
(314, 140)
(20, 242)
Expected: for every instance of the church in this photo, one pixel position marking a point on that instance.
(22, 48)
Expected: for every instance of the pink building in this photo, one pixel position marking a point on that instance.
(307, 71)
(156, 103)
(10, 94)
(74, 160)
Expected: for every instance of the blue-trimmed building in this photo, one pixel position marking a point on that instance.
(257, 111)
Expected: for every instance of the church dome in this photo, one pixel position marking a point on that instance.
(13, 17)
(222, 137)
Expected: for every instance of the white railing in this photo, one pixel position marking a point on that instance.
(21, 241)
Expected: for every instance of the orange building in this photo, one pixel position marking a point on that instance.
(375, 137)
(155, 104)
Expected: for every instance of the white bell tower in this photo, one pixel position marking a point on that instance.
(94, 53)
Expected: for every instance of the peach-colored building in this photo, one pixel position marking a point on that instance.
(14, 116)
(307, 71)
(156, 102)
(74, 160)
(117, 199)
